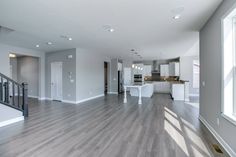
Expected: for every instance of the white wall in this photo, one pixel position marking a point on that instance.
(89, 74)
(186, 72)
(211, 65)
(5, 62)
(8, 113)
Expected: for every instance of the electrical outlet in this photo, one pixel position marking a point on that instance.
(203, 83)
(69, 95)
(218, 121)
(90, 93)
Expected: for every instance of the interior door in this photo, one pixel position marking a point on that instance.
(105, 77)
(56, 81)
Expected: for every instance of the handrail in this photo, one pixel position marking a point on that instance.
(9, 97)
(11, 80)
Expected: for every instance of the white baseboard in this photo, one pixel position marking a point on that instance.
(69, 101)
(227, 148)
(75, 102)
(42, 98)
(87, 99)
(11, 121)
(112, 93)
(32, 96)
(45, 98)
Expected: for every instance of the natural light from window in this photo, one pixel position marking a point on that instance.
(229, 73)
(196, 73)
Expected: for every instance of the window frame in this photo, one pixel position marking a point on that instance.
(230, 17)
(234, 66)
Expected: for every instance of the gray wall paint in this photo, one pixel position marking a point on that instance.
(90, 74)
(210, 63)
(186, 72)
(28, 71)
(69, 65)
(114, 76)
(13, 63)
(5, 62)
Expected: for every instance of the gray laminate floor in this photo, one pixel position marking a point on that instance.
(105, 127)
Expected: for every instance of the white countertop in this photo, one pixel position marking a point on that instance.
(138, 85)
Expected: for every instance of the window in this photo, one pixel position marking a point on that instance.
(196, 73)
(229, 68)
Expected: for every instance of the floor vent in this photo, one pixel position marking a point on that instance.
(217, 148)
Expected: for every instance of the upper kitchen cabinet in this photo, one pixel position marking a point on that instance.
(174, 69)
(120, 66)
(147, 70)
(164, 70)
(137, 69)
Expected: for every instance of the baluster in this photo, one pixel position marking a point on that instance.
(18, 95)
(1, 90)
(25, 99)
(6, 84)
(13, 93)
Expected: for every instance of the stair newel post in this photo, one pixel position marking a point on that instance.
(25, 99)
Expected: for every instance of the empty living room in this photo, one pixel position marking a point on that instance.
(118, 78)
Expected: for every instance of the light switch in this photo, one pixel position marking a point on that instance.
(70, 56)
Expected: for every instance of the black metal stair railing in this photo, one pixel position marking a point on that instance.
(13, 94)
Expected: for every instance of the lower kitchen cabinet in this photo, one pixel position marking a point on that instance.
(177, 92)
(162, 87)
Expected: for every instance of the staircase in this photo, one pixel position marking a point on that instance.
(13, 94)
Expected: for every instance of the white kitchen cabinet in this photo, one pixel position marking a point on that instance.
(162, 87)
(165, 70)
(120, 66)
(177, 92)
(147, 70)
(138, 69)
(174, 69)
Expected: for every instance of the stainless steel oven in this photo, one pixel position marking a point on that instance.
(138, 78)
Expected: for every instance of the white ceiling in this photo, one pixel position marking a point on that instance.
(144, 25)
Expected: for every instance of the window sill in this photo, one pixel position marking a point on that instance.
(230, 118)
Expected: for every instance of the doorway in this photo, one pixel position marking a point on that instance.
(24, 68)
(56, 81)
(105, 77)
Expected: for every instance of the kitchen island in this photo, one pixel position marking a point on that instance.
(139, 90)
(179, 90)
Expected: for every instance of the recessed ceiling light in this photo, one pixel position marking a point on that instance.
(37, 46)
(111, 30)
(176, 17)
(11, 55)
(49, 43)
(69, 38)
(108, 28)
